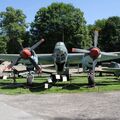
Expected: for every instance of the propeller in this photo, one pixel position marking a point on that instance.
(27, 53)
(37, 44)
(80, 50)
(94, 52)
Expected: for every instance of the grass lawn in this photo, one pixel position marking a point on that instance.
(78, 85)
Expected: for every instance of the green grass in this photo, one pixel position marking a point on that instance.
(78, 85)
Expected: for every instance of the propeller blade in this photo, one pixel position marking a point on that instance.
(37, 44)
(108, 54)
(35, 65)
(80, 50)
(95, 38)
(19, 46)
(13, 63)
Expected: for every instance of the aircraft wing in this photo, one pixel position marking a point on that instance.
(104, 58)
(12, 57)
(75, 58)
(8, 57)
(45, 58)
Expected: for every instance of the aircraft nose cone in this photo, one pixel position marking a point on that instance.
(25, 53)
(94, 53)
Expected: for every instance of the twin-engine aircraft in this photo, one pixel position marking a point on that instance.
(60, 57)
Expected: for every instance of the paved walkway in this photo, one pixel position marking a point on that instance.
(83, 106)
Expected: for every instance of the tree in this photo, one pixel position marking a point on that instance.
(110, 34)
(13, 26)
(60, 22)
(2, 44)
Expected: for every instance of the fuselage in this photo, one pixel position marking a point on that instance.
(60, 55)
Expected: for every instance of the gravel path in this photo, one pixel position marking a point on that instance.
(83, 106)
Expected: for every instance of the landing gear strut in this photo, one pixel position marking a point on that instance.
(30, 78)
(91, 82)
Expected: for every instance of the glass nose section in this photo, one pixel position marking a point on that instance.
(60, 56)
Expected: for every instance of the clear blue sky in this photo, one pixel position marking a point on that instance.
(93, 9)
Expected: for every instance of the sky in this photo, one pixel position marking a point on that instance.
(93, 9)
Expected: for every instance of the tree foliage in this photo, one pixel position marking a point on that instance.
(61, 22)
(2, 44)
(13, 27)
(110, 34)
(57, 22)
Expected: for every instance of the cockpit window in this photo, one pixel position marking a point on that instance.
(60, 56)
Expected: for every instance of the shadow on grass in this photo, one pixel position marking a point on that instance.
(35, 87)
(10, 85)
(38, 87)
(70, 86)
(105, 83)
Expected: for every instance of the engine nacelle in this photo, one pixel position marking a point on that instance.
(87, 63)
(28, 64)
(34, 56)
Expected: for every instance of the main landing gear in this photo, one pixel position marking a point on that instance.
(30, 78)
(91, 81)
